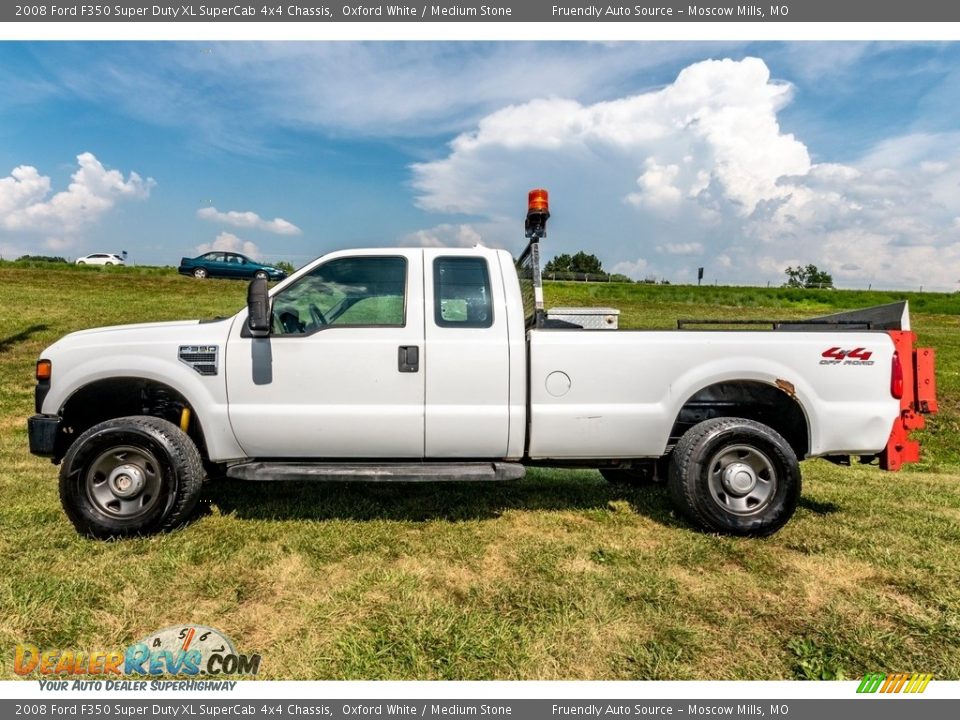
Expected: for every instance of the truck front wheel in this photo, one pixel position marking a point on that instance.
(130, 476)
(735, 476)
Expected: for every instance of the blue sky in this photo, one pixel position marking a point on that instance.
(661, 157)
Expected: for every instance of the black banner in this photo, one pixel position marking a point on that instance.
(492, 11)
(872, 707)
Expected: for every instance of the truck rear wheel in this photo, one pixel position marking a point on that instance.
(130, 476)
(735, 476)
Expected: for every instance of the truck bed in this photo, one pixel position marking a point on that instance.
(618, 393)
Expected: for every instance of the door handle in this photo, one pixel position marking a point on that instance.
(408, 358)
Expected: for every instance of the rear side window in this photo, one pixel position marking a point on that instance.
(461, 292)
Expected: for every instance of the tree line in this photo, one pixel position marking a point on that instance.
(587, 264)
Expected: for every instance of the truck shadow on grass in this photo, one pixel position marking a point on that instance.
(819, 507)
(25, 334)
(416, 502)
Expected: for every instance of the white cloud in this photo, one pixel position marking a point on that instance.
(230, 243)
(721, 114)
(934, 167)
(249, 219)
(705, 163)
(690, 248)
(26, 203)
(657, 186)
(631, 268)
(444, 235)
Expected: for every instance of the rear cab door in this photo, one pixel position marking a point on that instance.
(473, 396)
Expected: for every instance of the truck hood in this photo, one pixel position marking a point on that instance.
(133, 327)
(183, 332)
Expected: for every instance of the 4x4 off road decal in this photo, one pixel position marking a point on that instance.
(839, 356)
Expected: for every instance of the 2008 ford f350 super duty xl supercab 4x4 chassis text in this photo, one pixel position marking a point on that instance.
(440, 364)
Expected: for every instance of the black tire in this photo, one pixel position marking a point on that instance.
(735, 476)
(260, 274)
(200, 273)
(130, 476)
(108, 263)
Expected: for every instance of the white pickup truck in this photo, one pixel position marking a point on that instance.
(429, 364)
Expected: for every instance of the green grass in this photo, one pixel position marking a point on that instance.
(557, 576)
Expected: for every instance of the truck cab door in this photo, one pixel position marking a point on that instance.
(340, 375)
(468, 355)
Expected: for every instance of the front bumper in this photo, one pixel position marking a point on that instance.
(43, 431)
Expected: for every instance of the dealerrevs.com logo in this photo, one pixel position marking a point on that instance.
(181, 650)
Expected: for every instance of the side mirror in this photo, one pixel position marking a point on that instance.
(258, 308)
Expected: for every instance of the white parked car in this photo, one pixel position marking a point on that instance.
(101, 259)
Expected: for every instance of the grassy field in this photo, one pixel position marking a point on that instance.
(557, 576)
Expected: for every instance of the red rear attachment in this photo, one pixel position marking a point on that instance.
(912, 380)
(896, 376)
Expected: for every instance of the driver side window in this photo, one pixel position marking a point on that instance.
(347, 292)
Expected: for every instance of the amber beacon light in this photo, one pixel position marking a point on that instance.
(538, 211)
(538, 201)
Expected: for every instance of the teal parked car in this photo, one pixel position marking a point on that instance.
(228, 265)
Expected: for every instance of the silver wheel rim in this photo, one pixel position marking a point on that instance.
(260, 274)
(742, 480)
(124, 482)
(200, 273)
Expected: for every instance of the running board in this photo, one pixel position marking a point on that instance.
(377, 472)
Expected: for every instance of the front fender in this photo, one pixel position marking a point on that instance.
(85, 359)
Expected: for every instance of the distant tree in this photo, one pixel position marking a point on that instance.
(580, 262)
(41, 258)
(287, 267)
(809, 276)
(617, 277)
(561, 263)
